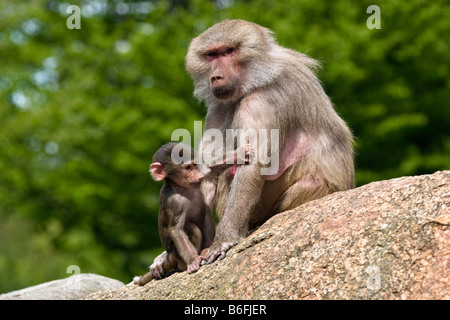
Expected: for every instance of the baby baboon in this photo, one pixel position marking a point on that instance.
(185, 223)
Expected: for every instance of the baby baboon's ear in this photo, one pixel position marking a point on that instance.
(157, 171)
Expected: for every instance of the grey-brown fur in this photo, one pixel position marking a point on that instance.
(276, 88)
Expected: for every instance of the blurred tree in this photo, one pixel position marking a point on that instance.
(82, 111)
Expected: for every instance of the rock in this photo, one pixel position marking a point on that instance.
(74, 287)
(385, 240)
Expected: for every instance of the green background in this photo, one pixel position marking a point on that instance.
(83, 111)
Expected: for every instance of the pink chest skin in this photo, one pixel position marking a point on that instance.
(294, 149)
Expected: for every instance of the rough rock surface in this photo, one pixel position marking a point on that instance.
(385, 240)
(71, 288)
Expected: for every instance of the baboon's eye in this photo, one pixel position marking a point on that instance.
(229, 51)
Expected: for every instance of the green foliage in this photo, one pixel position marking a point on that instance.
(83, 111)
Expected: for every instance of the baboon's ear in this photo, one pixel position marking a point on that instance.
(157, 171)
